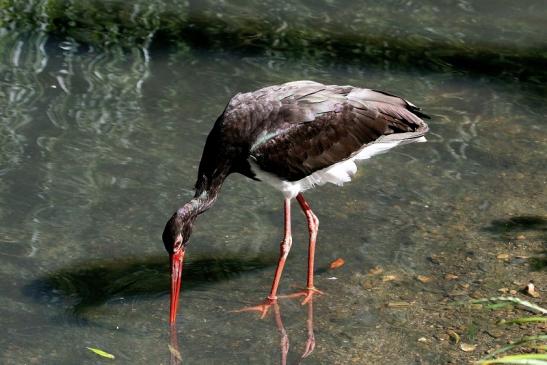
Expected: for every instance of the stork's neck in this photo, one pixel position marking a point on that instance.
(199, 204)
(211, 176)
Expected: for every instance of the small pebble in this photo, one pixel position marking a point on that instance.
(376, 270)
(389, 278)
(476, 295)
(434, 259)
(495, 333)
(467, 347)
(503, 256)
(532, 291)
(424, 279)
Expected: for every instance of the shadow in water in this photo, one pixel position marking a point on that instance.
(95, 283)
(515, 224)
(284, 343)
(507, 228)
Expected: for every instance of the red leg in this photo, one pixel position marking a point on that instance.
(284, 248)
(313, 227)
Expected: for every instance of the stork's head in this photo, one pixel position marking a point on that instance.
(177, 232)
(175, 238)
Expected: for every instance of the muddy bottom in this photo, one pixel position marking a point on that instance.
(426, 315)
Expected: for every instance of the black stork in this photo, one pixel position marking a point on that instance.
(293, 136)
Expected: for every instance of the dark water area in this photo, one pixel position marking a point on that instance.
(100, 142)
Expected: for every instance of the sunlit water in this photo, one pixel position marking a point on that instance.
(97, 149)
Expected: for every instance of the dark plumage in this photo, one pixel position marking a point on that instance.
(295, 129)
(295, 136)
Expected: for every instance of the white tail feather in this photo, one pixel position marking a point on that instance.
(338, 173)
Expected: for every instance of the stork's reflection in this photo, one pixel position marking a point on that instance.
(284, 337)
(176, 357)
(284, 344)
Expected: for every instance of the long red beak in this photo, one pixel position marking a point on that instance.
(176, 273)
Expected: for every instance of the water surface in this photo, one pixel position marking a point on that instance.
(99, 146)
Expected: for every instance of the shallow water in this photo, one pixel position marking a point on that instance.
(98, 147)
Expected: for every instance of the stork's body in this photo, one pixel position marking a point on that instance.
(292, 136)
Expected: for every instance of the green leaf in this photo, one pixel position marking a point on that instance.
(524, 303)
(101, 352)
(522, 341)
(538, 347)
(526, 359)
(521, 320)
(496, 306)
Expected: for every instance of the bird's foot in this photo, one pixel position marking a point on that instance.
(307, 293)
(262, 308)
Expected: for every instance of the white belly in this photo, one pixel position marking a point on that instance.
(338, 174)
